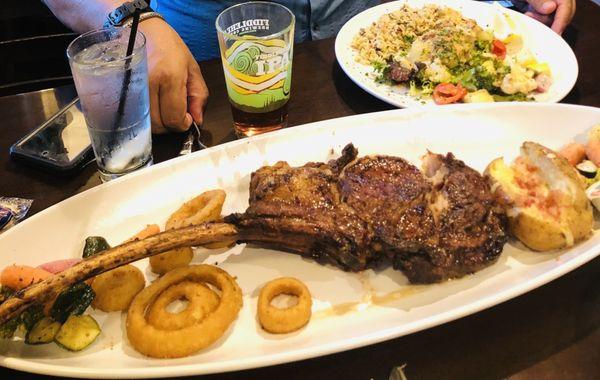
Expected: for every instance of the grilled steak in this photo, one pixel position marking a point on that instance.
(299, 209)
(433, 225)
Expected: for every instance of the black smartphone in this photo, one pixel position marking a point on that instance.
(61, 144)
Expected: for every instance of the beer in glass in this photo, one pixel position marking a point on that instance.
(256, 41)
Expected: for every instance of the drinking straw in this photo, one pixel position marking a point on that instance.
(127, 78)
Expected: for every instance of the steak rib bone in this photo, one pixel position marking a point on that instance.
(48, 289)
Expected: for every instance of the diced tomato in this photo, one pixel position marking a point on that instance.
(447, 93)
(499, 49)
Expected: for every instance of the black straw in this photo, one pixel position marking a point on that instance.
(127, 78)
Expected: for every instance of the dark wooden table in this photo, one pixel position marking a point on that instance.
(552, 332)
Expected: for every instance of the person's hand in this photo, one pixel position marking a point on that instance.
(178, 93)
(555, 13)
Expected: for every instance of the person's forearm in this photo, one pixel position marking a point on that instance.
(82, 15)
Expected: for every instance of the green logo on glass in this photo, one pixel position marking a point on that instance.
(258, 74)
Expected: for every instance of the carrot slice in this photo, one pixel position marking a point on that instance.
(18, 277)
(151, 229)
(574, 153)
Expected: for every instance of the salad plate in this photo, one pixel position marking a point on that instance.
(349, 310)
(540, 50)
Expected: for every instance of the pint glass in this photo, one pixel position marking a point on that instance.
(256, 41)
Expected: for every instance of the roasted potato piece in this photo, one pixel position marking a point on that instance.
(545, 198)
(116, 289)
(176, 258)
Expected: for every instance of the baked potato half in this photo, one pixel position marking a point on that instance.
(544, 197)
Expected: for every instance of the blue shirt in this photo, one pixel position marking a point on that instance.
(194, 20)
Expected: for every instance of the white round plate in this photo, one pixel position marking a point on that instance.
(476, 134)
(546, 46)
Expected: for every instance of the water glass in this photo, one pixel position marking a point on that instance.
(113, 90)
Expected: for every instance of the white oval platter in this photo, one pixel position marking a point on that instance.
(474, 133)
(545, 45)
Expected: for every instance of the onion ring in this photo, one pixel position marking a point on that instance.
(206, 207)
(281, 321)
(201, 302)
(158, 343)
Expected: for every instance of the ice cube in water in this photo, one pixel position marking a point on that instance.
(102, 52)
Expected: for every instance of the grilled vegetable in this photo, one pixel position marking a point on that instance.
(93, 245)
(192, 236)
(5, 293)
(58, 266)
(72, 301)
(43, 331)
(573, 152)
(587, 168)
(27, 319)
(7, 330)
(77, 333)
(21, 276)
(31, 316)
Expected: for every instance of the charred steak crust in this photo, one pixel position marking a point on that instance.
(470, 228)
(389, 193)
(437, 224)
(299, 209)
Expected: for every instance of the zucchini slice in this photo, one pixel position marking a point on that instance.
(43, 331)
(78, 332)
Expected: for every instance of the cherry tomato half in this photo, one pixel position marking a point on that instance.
(499, 49)
(447, 93)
